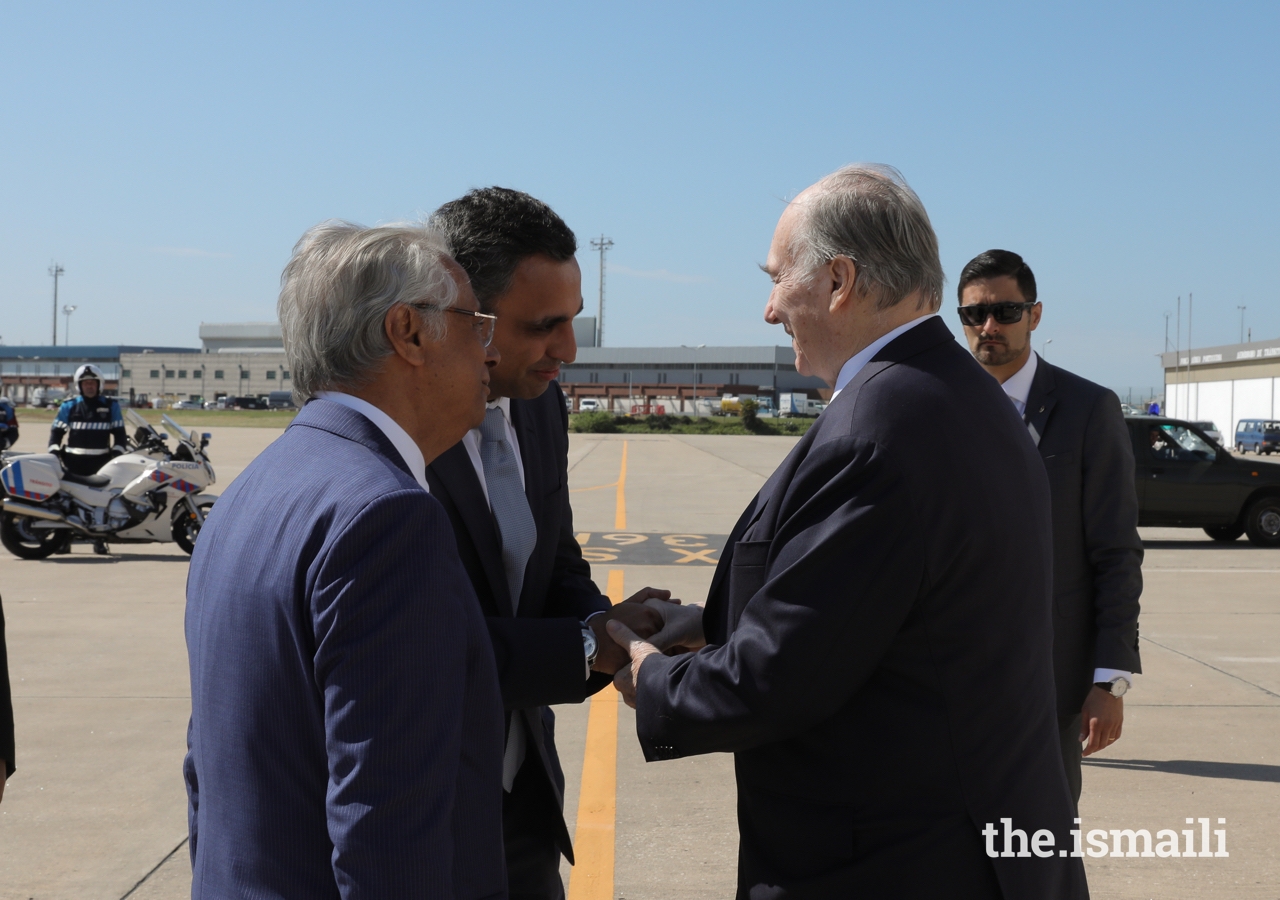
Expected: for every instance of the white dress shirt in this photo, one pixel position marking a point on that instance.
(471, 440)
(855, 363)
(1018, 385)
(408, 449)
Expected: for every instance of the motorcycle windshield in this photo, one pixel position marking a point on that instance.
(136, 422)
(176, 429)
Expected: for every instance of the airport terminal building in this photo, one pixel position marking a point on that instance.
(27, 373)
(1224, 384)
(247, 359)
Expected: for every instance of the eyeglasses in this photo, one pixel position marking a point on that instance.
(482, 324)
(975, 316)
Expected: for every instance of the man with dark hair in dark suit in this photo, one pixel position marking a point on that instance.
(506, 489)
(878, 631)
(1097, 556)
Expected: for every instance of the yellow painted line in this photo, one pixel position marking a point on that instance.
(598, 487)
(620, 517)
(593, 839)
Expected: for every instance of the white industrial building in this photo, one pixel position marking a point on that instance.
(1224, 384)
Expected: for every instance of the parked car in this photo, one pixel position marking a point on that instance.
(1185, 480)
(280, 400)
(590, 404)
(1211, 430)
(1259, 435)
(246, 403)
(187, 404)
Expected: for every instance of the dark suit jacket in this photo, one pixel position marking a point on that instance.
(346, 726)
(879, 648)
(539, 651)
(1097, 555)
(6, 705)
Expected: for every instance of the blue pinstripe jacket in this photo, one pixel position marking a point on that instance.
(327, 609)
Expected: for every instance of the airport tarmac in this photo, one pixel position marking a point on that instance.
(98, 665)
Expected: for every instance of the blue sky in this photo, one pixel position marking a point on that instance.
(169, 155)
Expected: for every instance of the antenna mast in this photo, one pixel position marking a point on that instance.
(55, 270)
(603, 246)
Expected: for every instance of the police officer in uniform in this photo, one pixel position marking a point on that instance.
(8, 424)
(89, 422)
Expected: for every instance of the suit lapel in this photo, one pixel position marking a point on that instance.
(1040, 401)
(457, 476)
(759, 520)
(767, 500)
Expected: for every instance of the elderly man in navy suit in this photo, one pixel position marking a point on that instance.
(877, 645)
(346, 728)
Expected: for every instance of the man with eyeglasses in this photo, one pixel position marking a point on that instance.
(1097, 561)
(506, 490)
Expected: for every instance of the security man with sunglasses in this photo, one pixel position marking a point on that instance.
(1097, 556)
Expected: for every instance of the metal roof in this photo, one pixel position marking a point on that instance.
(225, 330)
(705, 356)
(1226, 353)
(87, 352)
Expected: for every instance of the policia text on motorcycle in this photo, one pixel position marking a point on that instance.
(90, 423)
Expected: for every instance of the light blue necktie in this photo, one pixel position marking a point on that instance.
(518, 534)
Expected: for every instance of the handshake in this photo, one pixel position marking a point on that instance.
(649, 621)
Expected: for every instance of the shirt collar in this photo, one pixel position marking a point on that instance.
(1018, 385)
(408, 449)
(856, 362)
(504, 404)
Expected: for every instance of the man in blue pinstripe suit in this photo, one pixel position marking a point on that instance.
(327, 608)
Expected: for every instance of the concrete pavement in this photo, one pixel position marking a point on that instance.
(100, 682)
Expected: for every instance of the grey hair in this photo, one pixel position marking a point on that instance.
(337, 289)
(868, 213)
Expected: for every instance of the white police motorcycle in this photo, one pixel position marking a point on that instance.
(151, 494)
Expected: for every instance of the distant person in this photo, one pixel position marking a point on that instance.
(506, 489)
(346, 725)
(879, 628)
(91, 424)
(8, 424)
(6, 713)
(1097, 555)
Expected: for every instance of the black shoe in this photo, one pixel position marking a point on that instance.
(100, 547)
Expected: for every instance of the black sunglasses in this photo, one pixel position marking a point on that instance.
(1004, 313)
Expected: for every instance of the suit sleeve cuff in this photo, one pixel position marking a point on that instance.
(1103, 675)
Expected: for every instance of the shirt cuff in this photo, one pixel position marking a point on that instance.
(598, 612)
(1104, 675)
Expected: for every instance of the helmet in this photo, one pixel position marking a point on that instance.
(88, 372)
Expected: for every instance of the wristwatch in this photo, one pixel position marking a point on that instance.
(589, 645)
(1116, 687)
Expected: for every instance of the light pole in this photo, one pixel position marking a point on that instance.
(66, 332)
(695, 373)
(603, 246)
(1044, 349)
(1242, 309)
(55, 270)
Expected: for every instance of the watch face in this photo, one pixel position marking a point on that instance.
(1118, 687)
(589, 644)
